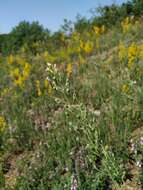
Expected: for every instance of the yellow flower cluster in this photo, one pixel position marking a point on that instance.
(132, 54)
(99, 30)
(69, 69)
(2, 124)
(87, 47)
(47, 88)
(130, 23)
(125, 88)
(38, 88)
(17, 78)
(26, 71)
(126, 24)
(10, 59)
(20, 77)
(20, 73)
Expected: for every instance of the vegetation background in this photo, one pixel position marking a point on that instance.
(71, 103)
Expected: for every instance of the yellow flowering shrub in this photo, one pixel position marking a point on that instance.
(130, 24)
(132, 54)
(20, 71)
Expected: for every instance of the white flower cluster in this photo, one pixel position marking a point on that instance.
(52, 74)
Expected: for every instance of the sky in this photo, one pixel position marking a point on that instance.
(49, 13)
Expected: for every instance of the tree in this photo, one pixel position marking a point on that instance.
(26, 34)
(81, 24)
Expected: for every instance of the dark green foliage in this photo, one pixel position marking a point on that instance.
(111, 15)
(81, 24)
(137, 7)
(3, 42)
(25, 34)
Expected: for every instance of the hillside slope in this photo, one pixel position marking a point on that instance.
(76, 122)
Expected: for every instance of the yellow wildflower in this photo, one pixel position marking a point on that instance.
(69, 69)
(126, 24)
(97, 30)
(125, 88)
(88, 47)
(15, 73)
(10, 59)
(2, 124)
(48, 87)
(26, 71)
(141, 51)
(122, 51)
(39, 93)
(18, 79)
(132, 54)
